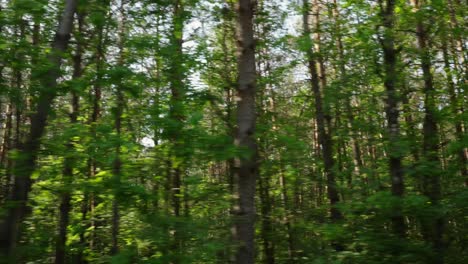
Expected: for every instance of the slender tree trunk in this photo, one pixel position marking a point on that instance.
(433, 230)
(267, 228)
(462, 154)
(288, 212)
(319, 186)
(3, 90)
(228, 33)
(176, 75)
(117, 171)
(317, 36)
(6, 147)
(16, 109)
(391, 109)
(6, 137)
(324, 136)
(119, 108)
(10, 225)
(246, 168)
(2, 81)
(267, 106)
(227, 41)
(356, 148)
(177, 98)
(459, 43)
(90, 200)
(410, 124)
(65, 203)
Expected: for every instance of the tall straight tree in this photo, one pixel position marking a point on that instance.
(356, 149)
(118, 114)
(431, 177)
(462, 154)
(10, 225)
(90, 200)
(70, 161)
(176, 74)
(151, 100)
(177, 87)
(324, 135)
(246, 167)
(390, 53)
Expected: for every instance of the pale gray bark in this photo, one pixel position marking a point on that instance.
(246, 168)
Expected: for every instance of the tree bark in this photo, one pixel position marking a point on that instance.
(5, 161)
(118, 113)
(432, 228)
(391, 109)
(10, 225)
(69, 163)
(176, 74)
(324, 136)
(177, 87)
(246, 167)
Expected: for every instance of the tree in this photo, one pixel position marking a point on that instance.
(10, 227)
(431, 179)
(246, 167)
(69, 162)
(391, 82)
(220, 131)
(324, 133)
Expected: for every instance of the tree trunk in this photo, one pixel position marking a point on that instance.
(356, 148)
(176, 73)
(410, 124)
(454, 105)
(324, 136)
(65, 203)
(246, 167)
(391, 109)
(432, 228)
(6, 137)
(118, 112)
(267, 228)
(288, 212)
(459, 43)
(5, 161)
(10, 225)
(90, 200)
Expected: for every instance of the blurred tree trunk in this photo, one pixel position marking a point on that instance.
(246, 167)
(176, 163)
(391, 108)
(267, 228)
(69, 162)
(456, 111)
(432, 228)
(90, 200)
(5, 160)
(355, 146)
(322, 119)
(10, 224)
(118, 113)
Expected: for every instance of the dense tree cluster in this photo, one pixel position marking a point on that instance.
(222, 131)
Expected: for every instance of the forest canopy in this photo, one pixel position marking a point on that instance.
(233, 131)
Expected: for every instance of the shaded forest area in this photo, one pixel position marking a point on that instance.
(223, 131)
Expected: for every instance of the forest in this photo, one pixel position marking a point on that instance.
(234, 131)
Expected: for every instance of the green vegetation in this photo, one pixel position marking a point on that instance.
(222, 131)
